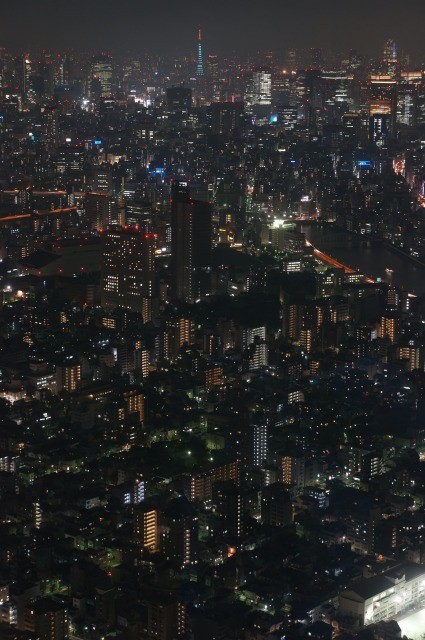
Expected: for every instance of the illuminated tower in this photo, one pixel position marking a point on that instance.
(101, 76)
(200, 59)
(390, 52)
(259, 94)
(390, 57)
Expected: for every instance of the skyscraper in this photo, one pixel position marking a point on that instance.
(259, 97)
(179, 99)
(379, 127)
(128, 270)
(101, 72)
(407, 104)
(50, 128)
(200, 57)
(390, 57)
(190, 240)
(226, 118)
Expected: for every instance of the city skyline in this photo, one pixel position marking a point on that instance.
(212, 321)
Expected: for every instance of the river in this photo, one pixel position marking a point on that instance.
(372, 259)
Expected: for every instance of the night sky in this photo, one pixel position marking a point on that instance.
(244, 25)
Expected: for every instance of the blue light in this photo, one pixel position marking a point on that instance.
(364, 163)
(98, 142)
(160, 170)
(273, 119)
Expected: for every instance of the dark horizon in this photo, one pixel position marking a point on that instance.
(170, 27)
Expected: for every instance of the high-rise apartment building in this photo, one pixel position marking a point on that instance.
(259, 443)
(166, 617)
(68, 376)
(146, 527)
(292, 471)
(47, 619)
(190, 241)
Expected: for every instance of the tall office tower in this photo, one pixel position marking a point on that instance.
(407, 104)
(139, 214)
(309, 95)
(50, 72)
(291, 60)
(102, 178)
(390, 57)
(380, 128)
(383, 98)
(190, 241)
(128, 270)
(70, 161)
(200, 56)
(226, 118)
(283, 87)
(213, 72)
(354, 60)
(101, 73)
(213, 66)
(68, 70)
(101, 210)
(421, 104)
(315, 58)
(259, 96)
(351, 128)
(179, 99)
(27, 71)
(287, 116)
(337, 86)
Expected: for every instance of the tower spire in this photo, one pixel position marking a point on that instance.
(200, 59)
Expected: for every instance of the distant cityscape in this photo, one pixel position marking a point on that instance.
(212, 345)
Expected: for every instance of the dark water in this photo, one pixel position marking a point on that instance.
(371, 259)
